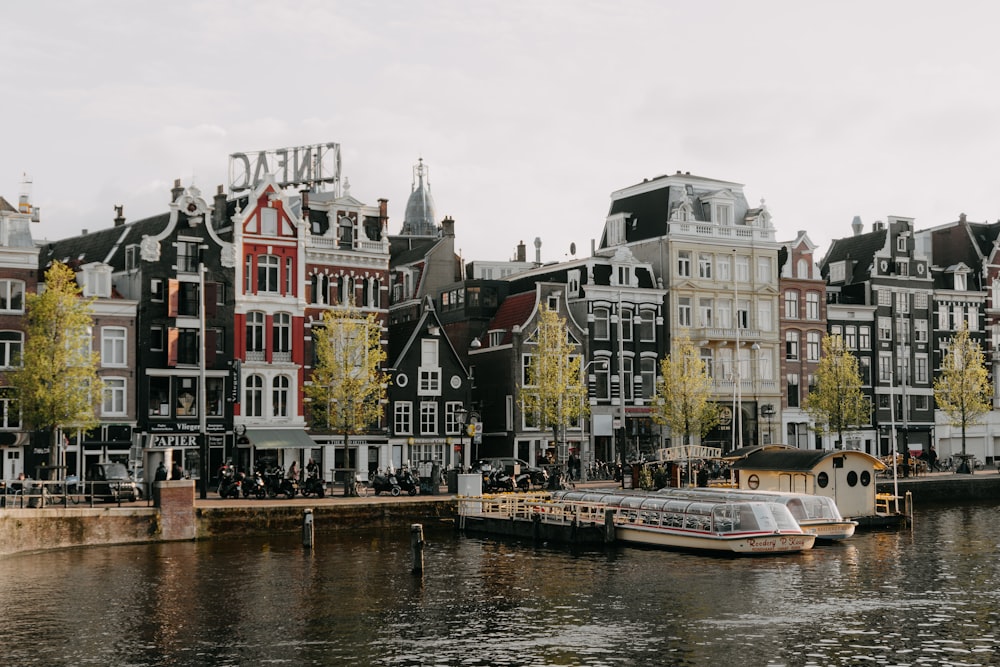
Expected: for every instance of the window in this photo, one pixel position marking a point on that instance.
(865, 369)
(902, 331)
(10, 409)
(647, 366)
(684, 263)
(920, 369)
(451, 425)
(885, 328)
(156, 339)
(884, 298)
(627, 378)
(743, 314)
(743, 269)
(705, 312)
(159, 397)
(920, 300)
(684, 311)
(624, 274)
(526, 380)
(254, 396)
(724, 313)
(602, 372)
(724, 267)
(706, 358)
(268, 222)
(289, 273)
(838, 271)
(973, 318)
(903, 267)
(792, 389)
(851, 337)
(812, 346)
(812, 305)
(11, 345)
(430, 381)
(885, 367)
(765, 320)
(864, 338)
(188, 256)
(920, 402)
(255, 332)
(764, 273)
(133, 257)
(282, 333)
(156, 290)
(267, 273)
(279, 396)
(113, 346)
(601, 323)
(957, 316)
(215, 395)
(428, 418)
(792, 345)
(903, 302)
(791, 305)
(248, 275)
(626, 322)
(704, 266)
(113, 400)
(186, 402)
(901, 243)
(802, 269)
(647, 332)
(403, 417)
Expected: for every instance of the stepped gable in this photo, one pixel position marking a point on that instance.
(514, 311)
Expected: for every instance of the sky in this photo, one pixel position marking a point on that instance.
(528, 114)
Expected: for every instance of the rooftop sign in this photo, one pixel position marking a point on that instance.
(290, 166)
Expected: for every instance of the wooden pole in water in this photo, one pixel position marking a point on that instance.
(609, 526)
(417, 547)
(307, 529)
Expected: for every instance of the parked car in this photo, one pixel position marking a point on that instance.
(111, 482)
(505, 462)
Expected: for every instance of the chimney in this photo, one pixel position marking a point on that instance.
(219, 212)
(961, 217)
(857, 225)
(448, 227)
(522, 252)
(538, 250)
(177, 190)
(119, 216)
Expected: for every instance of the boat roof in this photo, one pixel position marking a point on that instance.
(783, 457)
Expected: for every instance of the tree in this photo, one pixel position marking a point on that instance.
(348, 387)
(683, 391)
(56, 382)
(837, 403)
(554, 392)
(962, 390)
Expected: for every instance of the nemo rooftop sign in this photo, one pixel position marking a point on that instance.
(289, 166)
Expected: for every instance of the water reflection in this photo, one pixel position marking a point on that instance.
(884, 598)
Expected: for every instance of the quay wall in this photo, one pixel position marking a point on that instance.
(947, 488)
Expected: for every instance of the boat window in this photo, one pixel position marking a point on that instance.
(852, 478)
(798, 509)
(822, 480)
(748, 519)
(753, 481)
(866, 478)
(782, 517)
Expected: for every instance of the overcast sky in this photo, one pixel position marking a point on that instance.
(528, 114)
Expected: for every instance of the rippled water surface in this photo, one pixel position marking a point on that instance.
(929, 597)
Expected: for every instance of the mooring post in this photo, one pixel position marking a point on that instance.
(609, 526)
(417, 547)
(307, 529)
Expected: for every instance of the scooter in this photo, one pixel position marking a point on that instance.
(230, 484)
(408, 482)
(385, 484)
(314, 487)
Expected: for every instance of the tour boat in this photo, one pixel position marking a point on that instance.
(711, 525)
(818, 514)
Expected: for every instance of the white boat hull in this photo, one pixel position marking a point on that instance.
(737, 543)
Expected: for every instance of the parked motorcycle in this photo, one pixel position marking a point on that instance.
(314, 486)
(255, 486)
(408, 482)
(499, 481)
(385, 484)
(230, 483)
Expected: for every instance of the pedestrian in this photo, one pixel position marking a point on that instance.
(293, 472)
(161, 472)
(176, 471)
(312, 470)
(932, 459)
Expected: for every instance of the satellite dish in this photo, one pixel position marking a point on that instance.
(572, 249)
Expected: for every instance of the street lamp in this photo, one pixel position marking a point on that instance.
(767, 410)
(586, 458)
(461, 415)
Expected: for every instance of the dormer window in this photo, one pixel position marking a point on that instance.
(960, 282)
(573, 282)
(616, 229)
(723, 214)
(96, 280)
(837, 272)
(624, 275)
(901, 244)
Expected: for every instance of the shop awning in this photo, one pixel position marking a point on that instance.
(279, 438)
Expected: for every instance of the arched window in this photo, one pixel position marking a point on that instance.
(376, 289)
(279, 396)
(346, 233)
(268, 267)
(254, 396)
(320, 289)
(282, 332)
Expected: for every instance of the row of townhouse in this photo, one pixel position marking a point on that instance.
(203, 319)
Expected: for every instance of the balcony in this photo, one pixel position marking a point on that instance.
(722, 233)
(747, 388)
(716, 333)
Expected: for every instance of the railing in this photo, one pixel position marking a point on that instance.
(742, 232)
(37, 494)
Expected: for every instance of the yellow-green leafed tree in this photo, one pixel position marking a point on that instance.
(962, 390)
(837, 403)
(553, 392)
(348, 387)
(683, 391)
(56, 382)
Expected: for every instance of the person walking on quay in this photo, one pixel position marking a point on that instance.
(161, 473)
(176, 471)
(293, 472)
(932, 460)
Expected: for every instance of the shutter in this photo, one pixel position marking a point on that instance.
(173, 334)
(173, 298)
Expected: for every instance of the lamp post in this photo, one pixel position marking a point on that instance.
(461, 415)
(767, 410)
(754, 376)
(586, 459)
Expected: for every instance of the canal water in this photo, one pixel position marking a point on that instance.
(929, 597)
